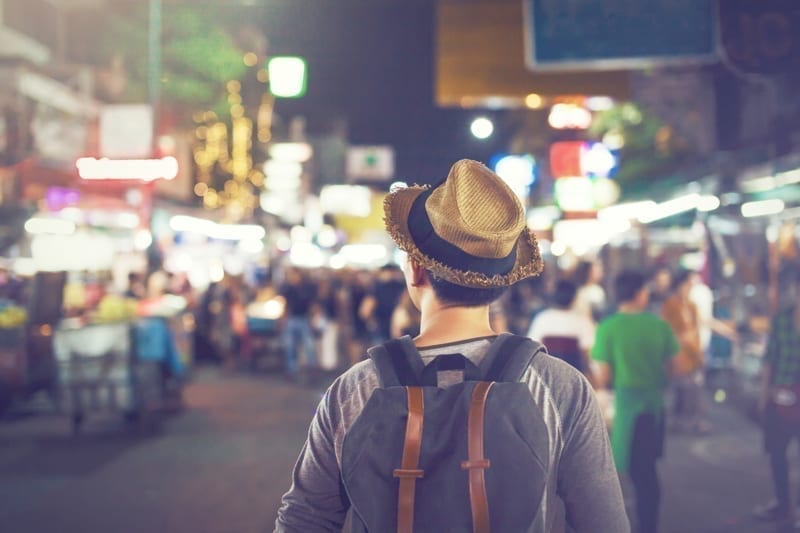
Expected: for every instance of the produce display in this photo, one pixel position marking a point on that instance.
(12, 316)
(113, 308)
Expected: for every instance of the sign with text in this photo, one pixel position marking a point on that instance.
(761, 36)
(603, 34)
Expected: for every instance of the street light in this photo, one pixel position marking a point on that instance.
(482, 128)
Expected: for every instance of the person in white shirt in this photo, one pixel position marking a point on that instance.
(567, 333)
(590, 298)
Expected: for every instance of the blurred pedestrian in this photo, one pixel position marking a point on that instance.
(590, 299)
(689, 408)
(526, 300)
(633, 349)
(712, 320)
(380, 304)
(136, 288)
(406, 318)
(660, 288)
(297, 333)
(363, 325)
(568, 335)
(325, 322)
(780, 403)
(467, 241)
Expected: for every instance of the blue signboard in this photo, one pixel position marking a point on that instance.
(581, 34)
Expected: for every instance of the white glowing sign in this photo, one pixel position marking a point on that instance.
(291, 151)
(585, 194)
(90, 168)
(569, 116)
(212, 230)
(287, 76)
(597, 160)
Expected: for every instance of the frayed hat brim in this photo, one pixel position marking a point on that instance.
(397, 206)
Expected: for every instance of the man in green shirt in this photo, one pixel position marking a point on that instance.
(634, 350)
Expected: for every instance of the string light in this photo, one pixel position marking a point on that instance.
(227, 149)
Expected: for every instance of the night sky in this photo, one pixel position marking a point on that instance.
(372, 62)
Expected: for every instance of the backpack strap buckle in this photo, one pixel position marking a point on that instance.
(481, 464)
(408, 473)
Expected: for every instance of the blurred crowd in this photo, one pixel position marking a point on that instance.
(325, 319)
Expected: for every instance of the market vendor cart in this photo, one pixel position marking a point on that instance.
(262, 345)
(27, 363)
(99, 372)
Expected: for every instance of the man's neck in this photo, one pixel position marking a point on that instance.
(630, 307)
(443, 325)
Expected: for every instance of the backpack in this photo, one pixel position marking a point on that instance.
(471, 457)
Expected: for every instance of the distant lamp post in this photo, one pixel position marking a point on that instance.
(287, 76)
(482, 128)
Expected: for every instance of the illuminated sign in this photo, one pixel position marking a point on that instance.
(760, 37)
(597, 161)
(287, 76)
(569, 159)
(569, 117)
(90, 168)
(212, 230)
(352, 200)
(585, 194)
(565, 159)
(518, 171)
(299, 152)
(581, 34)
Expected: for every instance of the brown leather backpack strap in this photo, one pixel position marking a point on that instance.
(477, 463)
(409, 471)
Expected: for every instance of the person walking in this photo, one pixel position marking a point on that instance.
(389, 286)
(634, 350)
(466, 241)
(689, 409)
(568, 334)
(299, 296)
(590, 299)
(780, 403)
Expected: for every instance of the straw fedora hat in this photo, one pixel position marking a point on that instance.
(469, 229)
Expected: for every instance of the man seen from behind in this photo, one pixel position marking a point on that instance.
(466, 241)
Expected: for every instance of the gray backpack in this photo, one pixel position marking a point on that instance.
(471, 457)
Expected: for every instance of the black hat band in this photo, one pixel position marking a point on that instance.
(432, 245)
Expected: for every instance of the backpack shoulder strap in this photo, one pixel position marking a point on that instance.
(509, 358)
(398, 363)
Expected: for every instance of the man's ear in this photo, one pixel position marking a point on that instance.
(418, 275)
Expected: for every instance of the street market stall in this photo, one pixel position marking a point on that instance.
(125, 360)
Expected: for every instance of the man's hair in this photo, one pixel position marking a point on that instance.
(564, 294)
(680, 277)
(459, 296)
(628, 284)
(583, 272)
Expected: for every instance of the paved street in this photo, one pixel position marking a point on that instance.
(222, 465)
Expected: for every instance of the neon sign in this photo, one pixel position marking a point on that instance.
(90, 168)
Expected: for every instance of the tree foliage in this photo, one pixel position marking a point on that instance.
(198, 56)
(651, 148)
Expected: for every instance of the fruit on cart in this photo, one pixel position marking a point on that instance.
(12, 316)
(113, 308)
